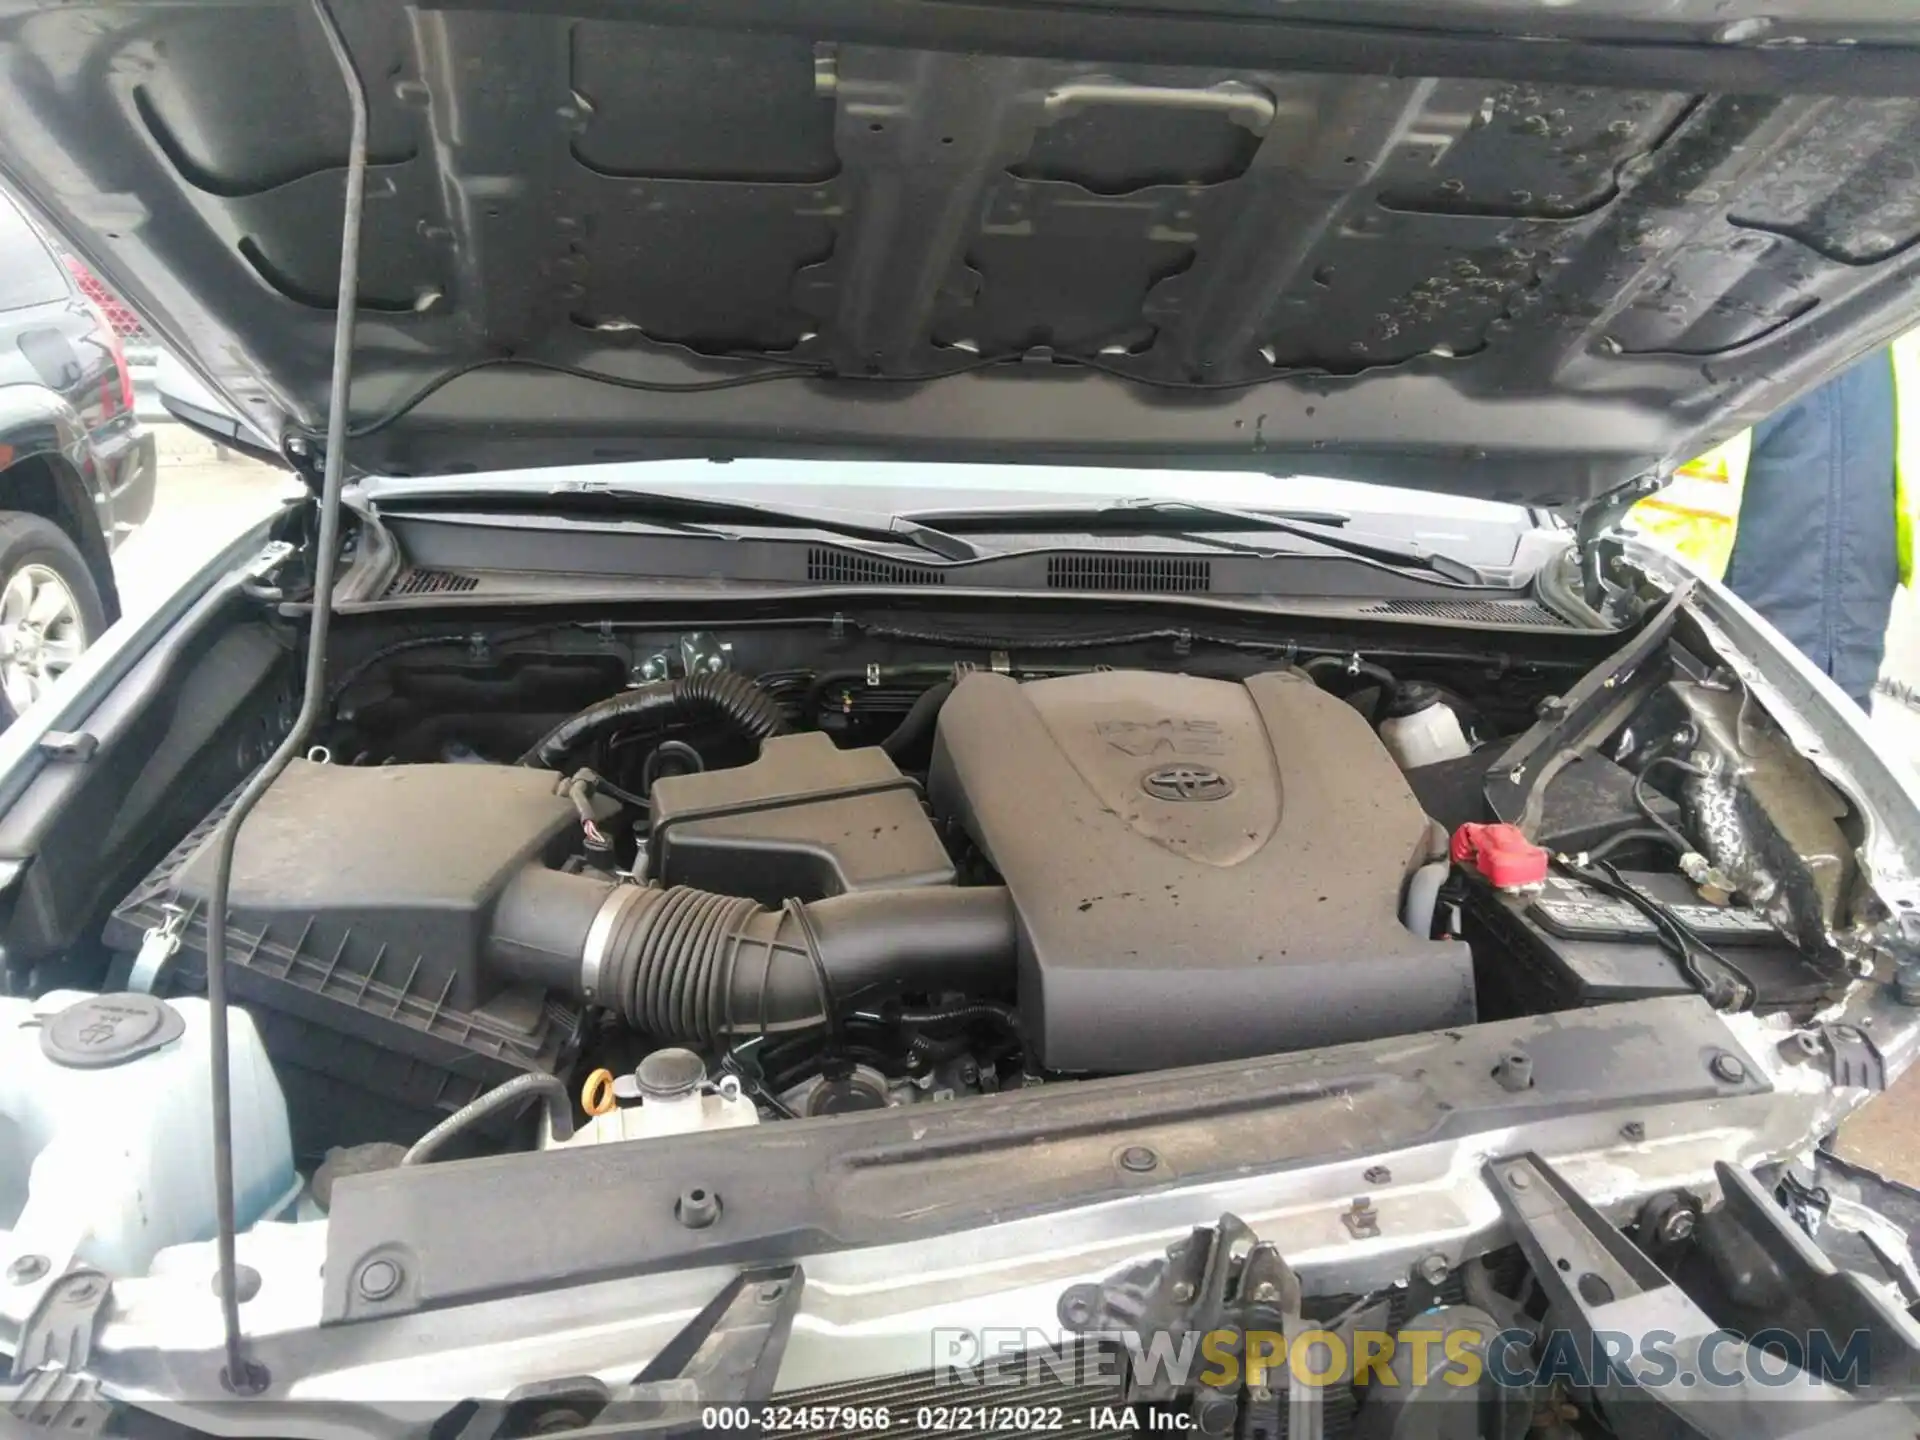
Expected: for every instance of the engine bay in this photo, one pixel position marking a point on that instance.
(693, 891)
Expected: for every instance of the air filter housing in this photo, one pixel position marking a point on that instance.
(358, 913)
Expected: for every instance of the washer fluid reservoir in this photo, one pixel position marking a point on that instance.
(106, 1138)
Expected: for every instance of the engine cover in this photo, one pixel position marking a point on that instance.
(1201, 869)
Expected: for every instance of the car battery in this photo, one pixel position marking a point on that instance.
(1569, 943)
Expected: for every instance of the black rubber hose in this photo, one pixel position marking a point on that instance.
(915, 729)
(693, 966)
(1621, 838)
(727, 698)
(501, 1097)
(929, 1051)
(926, 1048)
(964, 1012)
(1363, 670)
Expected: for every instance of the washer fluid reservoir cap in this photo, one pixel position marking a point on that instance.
(110, 1030)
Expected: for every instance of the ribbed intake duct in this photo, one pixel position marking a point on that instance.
(690, 965)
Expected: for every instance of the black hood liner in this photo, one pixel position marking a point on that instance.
(1444, 256)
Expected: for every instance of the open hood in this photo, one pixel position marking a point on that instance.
(1527, 251)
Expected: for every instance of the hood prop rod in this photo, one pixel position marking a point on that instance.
(240, 1375)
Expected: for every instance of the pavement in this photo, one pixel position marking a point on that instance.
(201, 503)
(206, 498)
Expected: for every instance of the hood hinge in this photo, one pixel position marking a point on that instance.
(1598, 536)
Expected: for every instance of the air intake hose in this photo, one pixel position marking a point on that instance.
(691, 966)
(727, 698)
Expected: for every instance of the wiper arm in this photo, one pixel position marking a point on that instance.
(700, 509)
(1130, 515)
(1403, 555)
(1149, 516)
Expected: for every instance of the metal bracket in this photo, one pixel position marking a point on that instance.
(75, 746)
(1855, 1059)
(1516, 782)
(254, 579)
(729, 1354)
(1806, 1205)
(1597, 535)
(157, 948)
(701, 654)
(58, 1402)
(1220, 1278)
(1773, 1272)
(1599, 1286)
(59, 1332)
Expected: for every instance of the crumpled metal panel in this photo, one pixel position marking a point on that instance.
(1766, 819)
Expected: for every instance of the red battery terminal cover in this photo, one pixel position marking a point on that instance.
(1506, 857)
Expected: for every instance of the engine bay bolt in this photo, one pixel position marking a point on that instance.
(1182, 1292)
(1361, 1219)
(378, 1279)
(1138, 1158)
(1633, 1131)
(1433, 1269)
(1675, 1225)
(697, 1208)
(27, 1269)
(1377, 1175)
(1519, 1179)
(1514, 1071)
(1727, 1067)
(1906, 982)
(1266, 1290)
(1800, 1048)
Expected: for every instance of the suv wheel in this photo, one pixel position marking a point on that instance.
(50, 609)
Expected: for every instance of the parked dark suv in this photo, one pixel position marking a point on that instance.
(76, 468)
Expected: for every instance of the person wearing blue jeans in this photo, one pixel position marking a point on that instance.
(1815, 549)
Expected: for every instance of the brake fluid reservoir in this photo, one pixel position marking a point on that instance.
(1421, 728)
(106, 1138)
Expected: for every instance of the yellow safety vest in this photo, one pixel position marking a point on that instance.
(1696, 514)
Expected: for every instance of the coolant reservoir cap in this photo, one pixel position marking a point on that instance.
(105, 1030)
(669, 1074)
(1411, 698)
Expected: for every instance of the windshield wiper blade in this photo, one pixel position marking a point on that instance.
(1399, 554)
(670, 507)
(1128, 515)
(1149, 516)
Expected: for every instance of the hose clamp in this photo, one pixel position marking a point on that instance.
(600, 933)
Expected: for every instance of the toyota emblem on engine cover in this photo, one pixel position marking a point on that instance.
(1186, 782)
